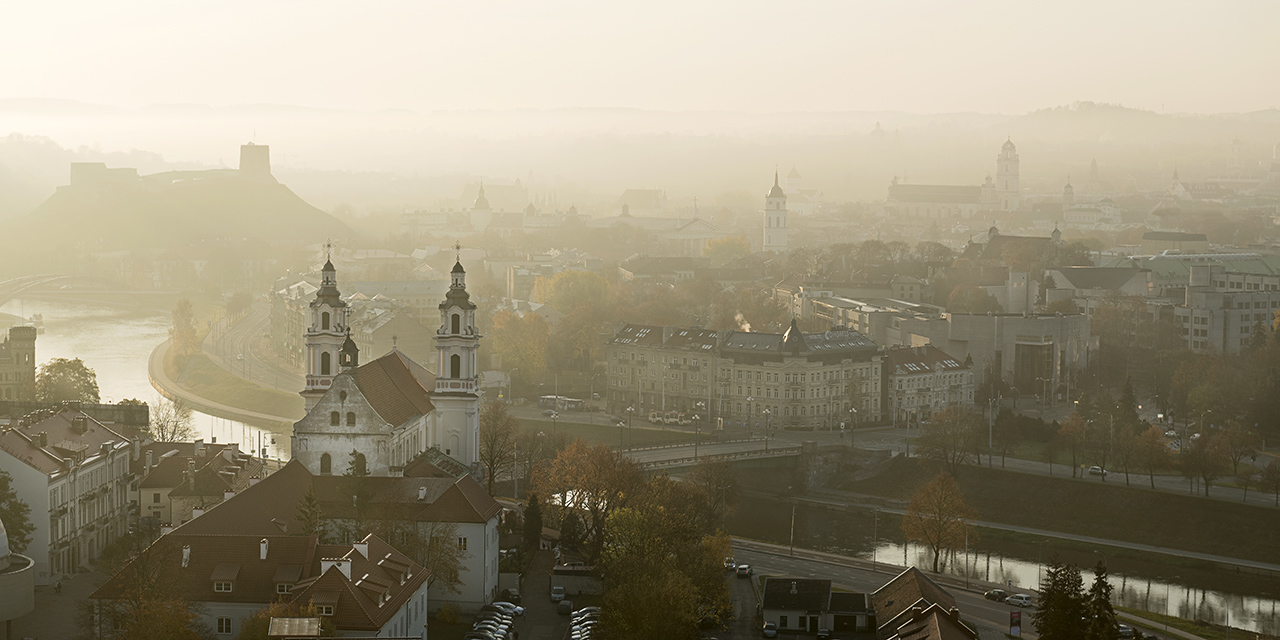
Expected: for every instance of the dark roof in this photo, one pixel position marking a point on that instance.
(937, 193)
(908, 589)
(848, 602)
(1097, 277)
(396, 387)
(639, 334)
(703, 340)
(64, 440)
(434, 463)
(796, 594)
(934, 623)
(909, 360)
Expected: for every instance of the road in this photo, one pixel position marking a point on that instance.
(239, 347)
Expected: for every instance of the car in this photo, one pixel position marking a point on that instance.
(824, 634)
(565, 607)
(548, 413)
(591, 618)
(574, 564)
(1171, 434)
(493, 623)
(1126, 631)
(744, 571)
(495, 631)
(511, 595)
(557, 594)
(770, 630)
(239, 356)
(510, 608)
(1019, 600)
(480, 635)
(494, 614)
(730, 563)
(585, 610)
(1095, 470)
(996, 594)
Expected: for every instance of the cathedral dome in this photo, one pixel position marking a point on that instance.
(481, 201)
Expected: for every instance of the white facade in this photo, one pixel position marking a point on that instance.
(456, 425)
(325, 336)
(775, 219)
(478, 577)
(1007, 187)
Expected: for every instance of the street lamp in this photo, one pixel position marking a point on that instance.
(509, 374)
(630, 412)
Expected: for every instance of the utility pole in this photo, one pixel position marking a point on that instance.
(793, 526)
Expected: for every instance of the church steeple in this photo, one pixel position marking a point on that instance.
(326, 334)
(456, 397)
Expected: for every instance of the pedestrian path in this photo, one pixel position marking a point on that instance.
(171, 389)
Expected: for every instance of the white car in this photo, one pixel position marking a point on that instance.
(1019, 600)
(1095, 470)
(557, 594)
(511, 609)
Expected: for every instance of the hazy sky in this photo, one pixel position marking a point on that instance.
(849, 55)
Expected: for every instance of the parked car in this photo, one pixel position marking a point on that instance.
(744, 571)
(511, 595)
(565, 607)
(510, 608)
(824, 634)
(1126, 631)
(557, 594)
(548, 413)
(1019, 600)
(770, 630)
(730, 563)
(1095, 470)
(996, 594)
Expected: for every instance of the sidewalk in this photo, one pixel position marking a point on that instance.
(170, 389)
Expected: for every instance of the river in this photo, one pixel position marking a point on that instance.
(1140, 581)
(116, 342)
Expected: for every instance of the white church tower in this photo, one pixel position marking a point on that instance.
(775, 218)
(325, 336)
(1007, 188)
(456, 429)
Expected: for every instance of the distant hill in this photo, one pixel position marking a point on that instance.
(177, 209)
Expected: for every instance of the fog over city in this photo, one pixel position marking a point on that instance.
(575, 320)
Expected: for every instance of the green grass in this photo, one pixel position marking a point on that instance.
(208, 380)
(1203, 629)
(1110, 511)
(610, 435)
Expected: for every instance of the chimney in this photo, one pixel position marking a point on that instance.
(793, 587)
(198, 449)
(253, 481)
(362, 547)
(80, 424)
(42, 439)
(191, 475)
(954, 613)
(262, 549)
(147, 472)
(342, 564)
(196, 513)
(917, 612)
(227, 495)
(186, 555)
(422, 493)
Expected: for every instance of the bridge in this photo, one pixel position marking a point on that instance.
(686, 455)
(45, 285)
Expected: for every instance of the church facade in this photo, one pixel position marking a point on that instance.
(380, 415)
(961, 202)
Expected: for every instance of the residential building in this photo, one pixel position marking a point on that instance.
(895, 603)
(805, 605)
(877, 318)
(1222, 309)
(74, 473)
(436, 496)
(365, 587)
(175, 478)
(933, 623)
(793, 380)
(921, 381)
(18, 363)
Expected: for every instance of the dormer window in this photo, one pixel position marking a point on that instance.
(324, 609)
(284, 587)
(222, 587)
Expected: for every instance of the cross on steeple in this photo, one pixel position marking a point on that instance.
(328, 248)
(457, 251)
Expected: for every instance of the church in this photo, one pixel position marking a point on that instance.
(391, 409)
(957, 202)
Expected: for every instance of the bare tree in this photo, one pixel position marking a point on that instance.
(170, 421)
(937, 516)
(498, 432)
(950, 437)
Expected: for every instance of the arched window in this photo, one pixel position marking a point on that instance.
(455, 365)
(359, 465)
(457, 322)
(326, 464)
(324, 320)
(351, 418)
(334, 420)
(324, 363)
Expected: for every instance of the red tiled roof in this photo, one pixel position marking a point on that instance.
(396, 387)
(63, 441)
(934, 623)
(909, 589)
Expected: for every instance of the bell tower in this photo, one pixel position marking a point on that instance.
(1007, 188)
(325, 336)
(456, 397)
(775, 218)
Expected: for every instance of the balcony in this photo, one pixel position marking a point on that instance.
(445, 385)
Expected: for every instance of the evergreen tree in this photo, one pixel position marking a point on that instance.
(532, 522)
(309, 517)
(1101, 617)
(1059, 614)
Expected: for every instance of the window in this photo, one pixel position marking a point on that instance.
(284, 587)
(222, 587)
(224, 625)
(324, 609)
(462, 544)
(326, 464)
(455, 366)
(324, 320)
(155, 498)
(334, 419)
(457, 322)
(351, 418)
(782, 622)
(324, 363)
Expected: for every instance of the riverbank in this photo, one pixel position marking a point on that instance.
(212, 390)
(1139, 517)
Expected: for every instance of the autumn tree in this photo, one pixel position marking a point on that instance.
(569, 290)
(591, 480)
(575, 344)
(15, 514)
(521, 342)
(1238, 443)
(498, 431)
(718, 482)
(1073, 434)
(727, 249)
(170, 421)
(971, 299)
(183, 339)
(950, 436)
(1204, 458)
(63, 380)
(147, 601)
(937, 517)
